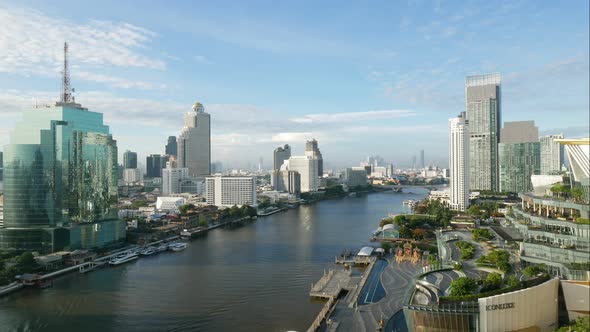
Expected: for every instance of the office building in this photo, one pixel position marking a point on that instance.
(154, 165)
(1, 163)
(281, 154)
(459, 163)
(390, 170)
(307, 168)
(483, 108)
(132, 176)
(355, 176)
(129, 159)
(227, 191)
(312, 150)
(552, 154)
(173, 178)
(286, 181)
(60, 180)
(518, 156)
(194, 143)
(171, 146)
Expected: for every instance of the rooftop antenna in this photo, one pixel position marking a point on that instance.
(66, 91)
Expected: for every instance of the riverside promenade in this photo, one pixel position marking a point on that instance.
(348, 316)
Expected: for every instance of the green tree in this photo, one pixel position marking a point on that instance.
(462, 286)
(235, 212)
(577, 194)
(492, 282)
(533, 270)
(481, 234)
(26, 262)
(203, 221)
(582, 324)
(512, 281)
(386, 246)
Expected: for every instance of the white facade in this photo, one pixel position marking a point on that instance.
(172, 179)
(194, 142)
(230, 190)
(530, 309)
(459, 163)
(355, 176)
(307, 168)
(132, 175)
(551, 154)
(169, 204)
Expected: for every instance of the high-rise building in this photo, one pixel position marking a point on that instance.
(422, 163)
(483, 108)
(132, 176)
(171, 146)
(1, 163)
(173, 177)
(307, 168)
(154, 165)
(230, 190)
(312, 150)
(552, 154)
(281, 154)
(129, 159)
(519, 156)
(459, 162)
(287, 181)
(60, 180)
(194, 142)
(355, 176)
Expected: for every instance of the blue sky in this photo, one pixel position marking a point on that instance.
(362, 77)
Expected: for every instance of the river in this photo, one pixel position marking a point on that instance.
(253, 278)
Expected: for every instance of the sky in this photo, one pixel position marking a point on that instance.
(362, 77)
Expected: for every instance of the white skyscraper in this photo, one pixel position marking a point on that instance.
(230, 190)
(552, 154)
(173, 177)
(194, 142)
(459, 162)
(307, 168)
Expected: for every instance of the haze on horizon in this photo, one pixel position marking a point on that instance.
(362, 78)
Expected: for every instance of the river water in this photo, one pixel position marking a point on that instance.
(253, 278)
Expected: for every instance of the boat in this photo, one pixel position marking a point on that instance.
(120, 259)
(177, 246)
(148, 251)
(162, 247)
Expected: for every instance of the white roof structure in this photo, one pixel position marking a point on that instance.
(365, 251)
(169, 203)
(388, 226)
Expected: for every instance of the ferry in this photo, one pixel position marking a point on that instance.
(148, 251)
(124, 258)
(179, 246)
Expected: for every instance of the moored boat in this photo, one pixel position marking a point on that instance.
(123, 259)
(177, 246)
(148, 251)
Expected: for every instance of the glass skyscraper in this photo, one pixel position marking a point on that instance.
(482, 99)
(519, 156)
(60, 183)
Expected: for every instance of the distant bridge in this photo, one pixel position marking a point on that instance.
(428, 187)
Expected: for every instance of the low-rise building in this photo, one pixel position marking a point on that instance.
(355, 176)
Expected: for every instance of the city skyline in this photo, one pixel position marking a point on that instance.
(396, 88)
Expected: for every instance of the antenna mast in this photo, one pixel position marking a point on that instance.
(66, 91)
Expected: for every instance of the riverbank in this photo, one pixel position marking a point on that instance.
(233, 272)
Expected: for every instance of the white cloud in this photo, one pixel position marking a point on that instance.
(31, 43)
(202, 59)
(352, 116)
(290, 137)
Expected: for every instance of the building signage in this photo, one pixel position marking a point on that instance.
(491, 307)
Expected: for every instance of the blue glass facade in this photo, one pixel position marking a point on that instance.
(60, 179)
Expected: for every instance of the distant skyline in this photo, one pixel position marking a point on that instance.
(363, 79)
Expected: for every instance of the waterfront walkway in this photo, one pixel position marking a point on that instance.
(348, 316)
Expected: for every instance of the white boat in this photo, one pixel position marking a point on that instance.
(148, 251)
(162, 247)
(120, 259)
(177, 246)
